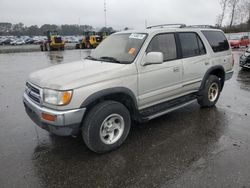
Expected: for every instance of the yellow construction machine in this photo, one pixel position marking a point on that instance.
(54, 42)
(91, 40)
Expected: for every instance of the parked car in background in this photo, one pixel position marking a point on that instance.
(17, 42)
(29, 41)
(5, 41)
(38, 40)
(236, 41)
(245, 59)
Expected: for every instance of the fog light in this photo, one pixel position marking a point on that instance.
(48, 117)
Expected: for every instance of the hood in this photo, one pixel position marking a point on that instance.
(76, 74)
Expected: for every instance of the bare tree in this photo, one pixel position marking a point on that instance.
(233, 6)
(245, 6)
(223, 4)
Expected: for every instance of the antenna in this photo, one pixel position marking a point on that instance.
(105, 14)
(167, 25)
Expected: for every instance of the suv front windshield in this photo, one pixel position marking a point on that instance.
(119, 48)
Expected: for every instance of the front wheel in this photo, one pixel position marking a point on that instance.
(211, 92)
(106, 126)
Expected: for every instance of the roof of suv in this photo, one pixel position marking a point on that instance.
(168, 29)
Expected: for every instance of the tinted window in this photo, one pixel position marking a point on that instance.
(191, 45)
(217, 40)
(164, 43)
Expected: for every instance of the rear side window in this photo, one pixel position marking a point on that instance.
(164, 43)
(217, 40)
(191, 45)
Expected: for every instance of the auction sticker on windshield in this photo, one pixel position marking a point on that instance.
(137, 36)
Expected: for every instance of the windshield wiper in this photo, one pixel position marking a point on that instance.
(91, 58)
(110, 59)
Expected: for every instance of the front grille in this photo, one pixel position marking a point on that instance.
(33, 93)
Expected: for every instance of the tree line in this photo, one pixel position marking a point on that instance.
(234, 16)
(20, 29)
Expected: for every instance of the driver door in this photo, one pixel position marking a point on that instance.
(160, 82)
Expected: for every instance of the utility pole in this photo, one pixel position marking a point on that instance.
(105, 14)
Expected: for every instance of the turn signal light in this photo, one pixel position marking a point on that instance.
(48, 117)
(65, 98)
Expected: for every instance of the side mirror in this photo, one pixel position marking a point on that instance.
(153, 58)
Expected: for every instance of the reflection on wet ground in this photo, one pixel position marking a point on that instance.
(153, 154)
(55, 57)
(244, 79)
(191, 147)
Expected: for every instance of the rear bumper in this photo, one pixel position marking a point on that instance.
(229, 75)
(235, 45)
(67, 122)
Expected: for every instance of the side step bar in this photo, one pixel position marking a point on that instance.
(170, 110)
(166, 107)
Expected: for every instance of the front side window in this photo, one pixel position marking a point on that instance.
(119, 48)
(191, 45)
(164, 43)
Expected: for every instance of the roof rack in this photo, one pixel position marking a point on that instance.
(201, 26)
(167, 25)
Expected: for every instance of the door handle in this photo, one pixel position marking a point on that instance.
(176, 69)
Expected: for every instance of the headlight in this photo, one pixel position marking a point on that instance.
(57, 97)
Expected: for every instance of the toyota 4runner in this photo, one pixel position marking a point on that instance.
(130, 76)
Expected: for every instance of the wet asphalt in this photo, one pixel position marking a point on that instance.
(191, 147)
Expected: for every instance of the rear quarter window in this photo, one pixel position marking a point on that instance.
(217, 40)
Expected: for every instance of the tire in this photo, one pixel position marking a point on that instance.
(106, 126)
(210, 93)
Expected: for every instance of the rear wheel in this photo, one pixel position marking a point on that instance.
(211, 92)
(106, 126)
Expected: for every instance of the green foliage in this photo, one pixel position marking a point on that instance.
(20, 29)
(243, 27)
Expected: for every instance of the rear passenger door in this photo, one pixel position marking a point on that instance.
(160, 82)
(195, 60)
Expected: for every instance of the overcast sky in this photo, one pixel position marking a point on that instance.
(120, 13)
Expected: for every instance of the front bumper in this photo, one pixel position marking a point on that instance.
(67, 122)
(244, 62)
